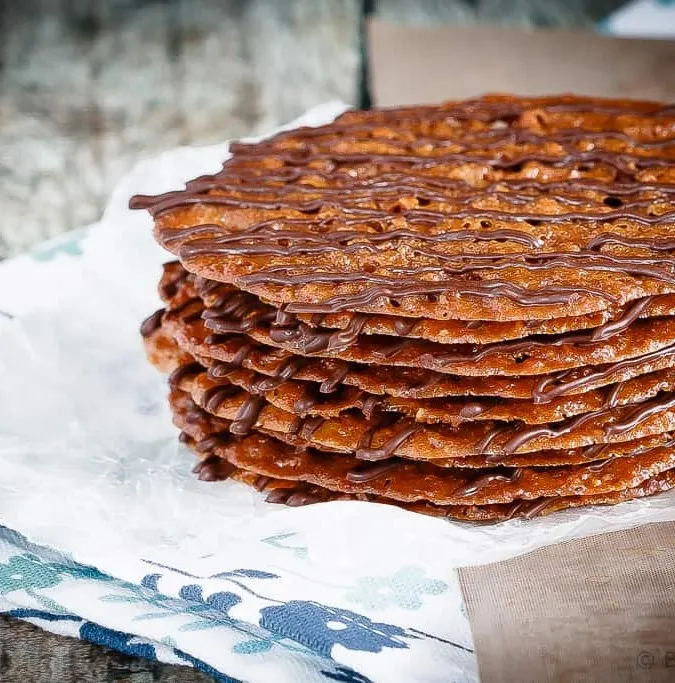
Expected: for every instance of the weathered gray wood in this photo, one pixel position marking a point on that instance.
(30, 655)
(551, 13)
(88, 88)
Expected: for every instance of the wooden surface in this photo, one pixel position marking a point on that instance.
(30, 655)
(88, 87)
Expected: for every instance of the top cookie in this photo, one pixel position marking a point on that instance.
(498, 208)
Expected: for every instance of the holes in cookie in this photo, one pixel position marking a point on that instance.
(471, 277)
(521, 357)
(369, 268)
(533, 221)
(433, 298)
(505, 120)
(327, 224)
(614, 202)
(423, 201)
(515, 168)
(486, 224)
(395, 303)
(623, 177)
(584, 167)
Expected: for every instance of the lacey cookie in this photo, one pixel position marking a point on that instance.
(465, 310)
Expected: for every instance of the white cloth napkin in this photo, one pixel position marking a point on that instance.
(643, 19)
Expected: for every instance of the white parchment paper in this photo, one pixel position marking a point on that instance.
(89, 461)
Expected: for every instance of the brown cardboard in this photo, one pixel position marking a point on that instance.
(411, 65)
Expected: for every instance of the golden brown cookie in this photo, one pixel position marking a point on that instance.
(467, 310)
(229, 309)
(497, 208)
(212, 467)
(411, 482)
(383, 435)
(403, 382)
(529, 356)
(310, 398)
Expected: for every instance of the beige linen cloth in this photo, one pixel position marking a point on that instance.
(600, 609)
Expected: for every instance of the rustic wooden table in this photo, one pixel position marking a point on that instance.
(89, 87)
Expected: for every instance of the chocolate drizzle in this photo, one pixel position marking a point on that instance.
(484, 480)
(366, 473)
(152, 323)
(207, 444)
(305, 403)
(370, 405)
(247, 415)
(473, 409)
(612, 395)
(614, 327)
(611, 428)
(641, 413)
(214, 397)
(600, 465)
(294, 497)
(261, 482)
(307, 427)
(311, 340)
(329, 385)
(528, 509)
(183, 372)
(404, 203)
(213, 468)
(220, 370)
(366, 451)
(385, 288)
(594, 451)
(559, 384)
(284, 373)
(404, 326)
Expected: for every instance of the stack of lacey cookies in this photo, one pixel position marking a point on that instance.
(466, 310)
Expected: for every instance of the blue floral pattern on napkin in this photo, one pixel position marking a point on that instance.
(168, 610)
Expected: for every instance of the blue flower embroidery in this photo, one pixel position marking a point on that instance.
(222, 601)
(26, 613)
(115, 640)
(149, 581)
(344, 675)
(26, 572)
(320, 627)
(403, 589)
